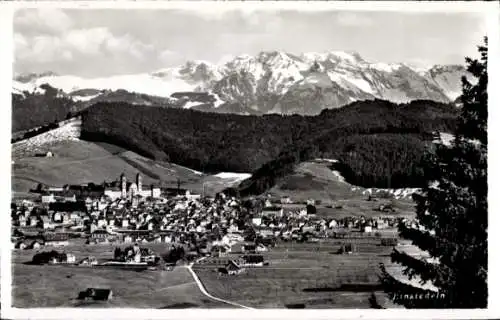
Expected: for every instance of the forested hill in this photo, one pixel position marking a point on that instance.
(376, 140)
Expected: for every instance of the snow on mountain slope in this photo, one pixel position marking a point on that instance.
(233, 175)
(20, 87)
(140, 83)
(449, 79)
(386, 67)
(262, 83)
(312, 94)
(232, 178)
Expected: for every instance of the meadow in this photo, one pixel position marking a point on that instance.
(48, 286)
(308, 275)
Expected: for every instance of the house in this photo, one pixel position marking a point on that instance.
(261, 248)
(46, 223)
(100, 236)
(96, 294)
(285, 200)
(257, 221)
(70, 199)
(381, 224)
(101, 223)
(125, 223)
(62, 258)
(128, 239)
(272, 211)
(252, 260)
(333, 224)
(89, 261)
(248, 248)
(219, 251)
(22, 221)
(348, 248)
(23, 244)
(48, 198)
(36, 244)
(33, 221)
(231, 268)
(57, 217)
(56, 239)
(189, 196)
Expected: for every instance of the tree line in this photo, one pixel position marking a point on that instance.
(378, 143)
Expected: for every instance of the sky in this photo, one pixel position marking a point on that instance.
(103, 42)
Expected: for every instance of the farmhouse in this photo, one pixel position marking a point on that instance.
(88, 261)
(63, 258)
(231, 268)
(96, 294)
(47, 154)
(29, 244)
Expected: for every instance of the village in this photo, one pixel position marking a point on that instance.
(224, 233)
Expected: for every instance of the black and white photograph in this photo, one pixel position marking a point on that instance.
(248, 156)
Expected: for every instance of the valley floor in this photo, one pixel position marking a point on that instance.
(51, 286)
(309, 275)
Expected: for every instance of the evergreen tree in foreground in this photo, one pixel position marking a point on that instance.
(452, 212)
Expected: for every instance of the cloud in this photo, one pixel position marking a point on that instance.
(43, 20)
(50, 36)
(78, 42)
(167, 56)
(351, 19)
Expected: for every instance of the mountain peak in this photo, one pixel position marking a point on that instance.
(260, 82)
(350, 56)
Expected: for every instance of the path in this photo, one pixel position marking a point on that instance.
(204, 291)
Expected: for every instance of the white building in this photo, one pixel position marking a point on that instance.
(190, 196)
(48, 198)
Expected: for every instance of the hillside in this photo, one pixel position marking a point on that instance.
(317, 179)
(378, 143)
(75, 161)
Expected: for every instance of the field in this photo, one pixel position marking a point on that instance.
(58, 286)
(309, 274)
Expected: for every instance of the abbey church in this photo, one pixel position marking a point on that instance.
(131, 190)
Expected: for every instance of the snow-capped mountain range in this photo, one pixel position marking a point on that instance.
(269, 82)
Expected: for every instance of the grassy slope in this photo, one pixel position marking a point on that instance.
(315, 180)
(82, 162)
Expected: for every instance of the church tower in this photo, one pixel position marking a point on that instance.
(123, 180)
(138, 179)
